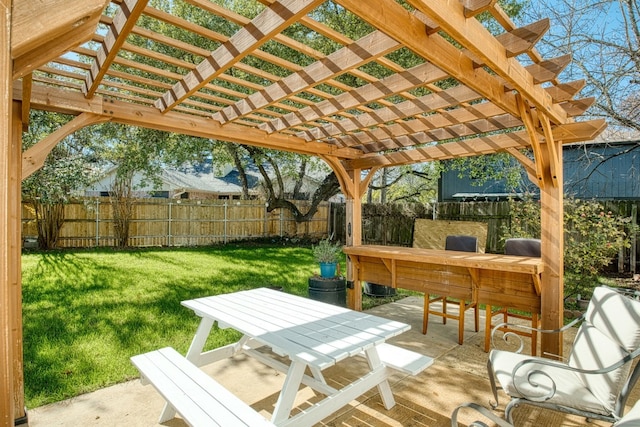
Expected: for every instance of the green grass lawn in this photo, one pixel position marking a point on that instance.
(86, 312)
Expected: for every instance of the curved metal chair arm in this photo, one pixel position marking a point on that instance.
(484, 411)
(546, 362)
(508, 335)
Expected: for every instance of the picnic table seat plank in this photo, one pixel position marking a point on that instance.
(198, 398)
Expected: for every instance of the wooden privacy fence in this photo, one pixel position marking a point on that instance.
(162, 222)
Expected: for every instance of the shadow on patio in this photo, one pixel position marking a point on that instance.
(458, 375)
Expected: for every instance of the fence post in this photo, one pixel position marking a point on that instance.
(265, 227)
(226, 206)
(281, 221)
(169, 224)
(97, 223)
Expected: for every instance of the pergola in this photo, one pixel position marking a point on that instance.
(472, 92)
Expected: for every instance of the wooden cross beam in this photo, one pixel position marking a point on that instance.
(354, 55)
(406, 80)
(262, 28)
(567, 134)
(443, 119)
(423, 105)
(477, 39)
(123, 22)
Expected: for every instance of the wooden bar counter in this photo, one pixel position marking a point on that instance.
(498, 280)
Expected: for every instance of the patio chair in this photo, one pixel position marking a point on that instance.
(631, 418)
(454, 294)
(517, 247)
(596, 379)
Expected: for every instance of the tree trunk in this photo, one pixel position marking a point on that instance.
(49, 221)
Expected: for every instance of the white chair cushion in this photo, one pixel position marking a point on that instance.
(616, 316)
(570, 390)
(593, 350)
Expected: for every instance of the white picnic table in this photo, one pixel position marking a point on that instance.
(310, 334)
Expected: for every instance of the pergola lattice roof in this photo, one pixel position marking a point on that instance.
(357, 103)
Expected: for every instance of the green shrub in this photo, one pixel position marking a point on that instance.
(592, 238)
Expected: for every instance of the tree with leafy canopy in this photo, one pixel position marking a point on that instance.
(65, 170)
(133, 150)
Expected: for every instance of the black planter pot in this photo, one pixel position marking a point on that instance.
(375, 290)
(330, 290)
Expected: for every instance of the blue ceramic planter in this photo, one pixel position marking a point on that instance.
(328, 269)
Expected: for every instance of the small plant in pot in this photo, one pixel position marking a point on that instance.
(327, 254)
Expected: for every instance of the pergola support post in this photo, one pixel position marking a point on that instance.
(552, 239)
(7, 315)
(354, 238)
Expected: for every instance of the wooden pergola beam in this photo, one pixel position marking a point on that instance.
(565, 91)
(523, 39)
(262, 28)
(123, 22)
(425, 104)
(546, 71)
(442, 134)
(392, 18)
(417, 76)
(567, 134)
(33, 158)
(52, 99)
(371, 46)
(477, 39)
(442, 120)
(44, 30)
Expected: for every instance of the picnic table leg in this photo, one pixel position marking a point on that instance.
(195, 349)
(288, 393)
(383, 388)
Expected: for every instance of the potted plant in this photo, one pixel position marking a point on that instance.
(327, 254)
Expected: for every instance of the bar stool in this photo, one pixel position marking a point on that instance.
(463, 244)
(517, 247)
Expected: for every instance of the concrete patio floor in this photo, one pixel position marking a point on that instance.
(458, 375)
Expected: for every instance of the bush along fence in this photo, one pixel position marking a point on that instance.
(162, 222)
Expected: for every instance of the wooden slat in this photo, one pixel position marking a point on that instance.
(369, 47)
(389, 16)
(444, 120)
(523, 39)
(566, 91)
(472, 35)
(123, 23)
(422, 105)
(396, 83)
(569, 133)
(46, 29)
(549, 70)
(577, 107)
(268, 23)
(475, 7)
